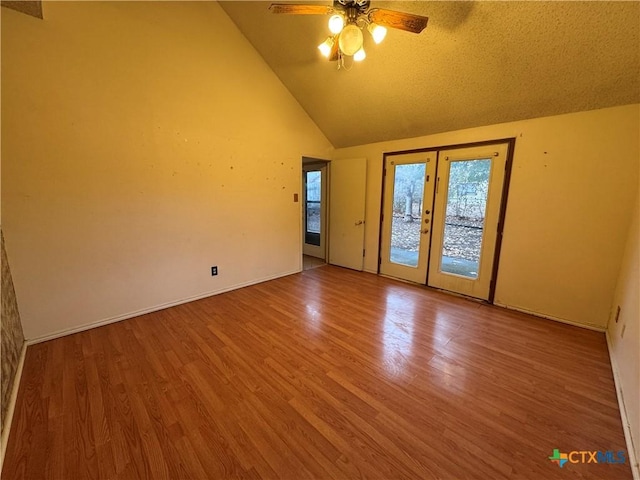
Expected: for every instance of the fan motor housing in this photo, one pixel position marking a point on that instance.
(360, 6)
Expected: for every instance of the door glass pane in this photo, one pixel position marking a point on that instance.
(465, 216)
(313, 217)
(408, 190)
(312, 207)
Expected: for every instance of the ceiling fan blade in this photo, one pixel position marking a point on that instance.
(403, 21)
(300, 9)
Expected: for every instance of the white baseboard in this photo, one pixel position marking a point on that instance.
(626, 426)
(8, 420)
(125, 316)
(588, 326)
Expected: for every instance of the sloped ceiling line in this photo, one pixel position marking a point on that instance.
(33, 8)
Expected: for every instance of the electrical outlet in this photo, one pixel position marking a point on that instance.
(618, 314)
(214, 271)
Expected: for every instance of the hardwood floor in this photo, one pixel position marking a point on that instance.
(325, 374)
(309, 262)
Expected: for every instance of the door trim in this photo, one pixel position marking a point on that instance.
(501, 218)
(454, 146)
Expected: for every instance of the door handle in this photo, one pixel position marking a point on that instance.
(359, 222)
(425, 231)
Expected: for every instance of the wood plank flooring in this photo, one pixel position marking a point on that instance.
(325, 374)
(309, 262)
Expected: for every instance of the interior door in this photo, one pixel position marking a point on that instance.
(347, 187)
(469, 189)
(406, 218)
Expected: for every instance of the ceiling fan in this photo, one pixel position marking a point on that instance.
(348, 19)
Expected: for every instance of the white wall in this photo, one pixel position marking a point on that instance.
(142, 143)
(572, 188)
(624, 335)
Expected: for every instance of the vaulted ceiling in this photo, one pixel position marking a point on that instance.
(476, 63)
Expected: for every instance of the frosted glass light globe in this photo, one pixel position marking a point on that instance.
(378, 32)
(326, 46)
(336, 23)
(350, 40)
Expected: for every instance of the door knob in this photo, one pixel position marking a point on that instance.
(359, 222)
(426, 220)
(425, 231)
(427, 212)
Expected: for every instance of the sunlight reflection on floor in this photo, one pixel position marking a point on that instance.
(397, 335)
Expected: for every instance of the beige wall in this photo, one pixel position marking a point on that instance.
(625, 347)
(143, 143)
(572, 188)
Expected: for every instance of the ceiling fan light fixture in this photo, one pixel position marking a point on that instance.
(326, 46)
(350, 40)
(378, 32)
(336, 24)
(347, 21)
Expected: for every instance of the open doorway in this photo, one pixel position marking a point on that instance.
(314, 212)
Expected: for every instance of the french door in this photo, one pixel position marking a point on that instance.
(459, 217)
(408, 194)
(465, 225)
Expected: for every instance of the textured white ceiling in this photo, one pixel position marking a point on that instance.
(476, 63)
